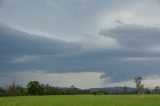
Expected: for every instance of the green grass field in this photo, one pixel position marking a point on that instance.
(84, 100)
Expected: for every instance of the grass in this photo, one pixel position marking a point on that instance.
(82, 100)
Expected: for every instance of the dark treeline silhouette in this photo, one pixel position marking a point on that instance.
(36, 88)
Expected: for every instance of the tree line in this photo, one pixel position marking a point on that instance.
(37, 88)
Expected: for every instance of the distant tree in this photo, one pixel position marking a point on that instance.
(49, 90)
(109, 91)
(22, 90)
(139, 85)
(125, 89)
(2, 92)
(147, 91)
(14, 90)
(73, 90)
(72, 87)
(157, 90)
(34, 88)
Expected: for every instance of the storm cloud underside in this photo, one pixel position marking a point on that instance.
(62, 38)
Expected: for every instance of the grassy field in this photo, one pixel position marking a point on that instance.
(85, 100)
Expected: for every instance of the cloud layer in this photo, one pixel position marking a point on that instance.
(117, 38)
(21, 51)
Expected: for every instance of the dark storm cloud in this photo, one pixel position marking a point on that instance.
(20, 51)
(15, 42)
(1, 2)
(138, 39)
(134, 36)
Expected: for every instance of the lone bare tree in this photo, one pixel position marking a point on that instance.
(139, 85)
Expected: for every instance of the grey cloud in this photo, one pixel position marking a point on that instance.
(20, 51)
(134, 36)
(117, 70)
(137, 39)
(60, 17)
(1, 2)
(103, 76)
(17, 42)
(119, 21)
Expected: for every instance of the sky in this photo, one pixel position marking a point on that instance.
(86, 43)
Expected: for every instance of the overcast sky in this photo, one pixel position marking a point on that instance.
(86, 43)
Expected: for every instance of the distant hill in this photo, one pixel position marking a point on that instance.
(113, 89)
